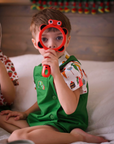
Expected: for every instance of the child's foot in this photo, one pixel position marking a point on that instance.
(88, 137)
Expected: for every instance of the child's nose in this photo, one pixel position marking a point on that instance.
(52, 44)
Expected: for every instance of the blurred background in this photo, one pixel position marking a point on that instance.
(92, 36)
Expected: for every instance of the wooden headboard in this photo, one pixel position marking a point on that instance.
(92, 36)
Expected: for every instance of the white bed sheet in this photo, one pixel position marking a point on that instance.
(100, 101)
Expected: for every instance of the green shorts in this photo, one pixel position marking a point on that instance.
(62, 125)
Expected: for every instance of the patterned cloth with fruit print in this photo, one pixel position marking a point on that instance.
(11, 72)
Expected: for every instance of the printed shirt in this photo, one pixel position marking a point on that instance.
(73, 74)
(11, 72)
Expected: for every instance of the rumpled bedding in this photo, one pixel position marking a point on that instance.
(100, 101)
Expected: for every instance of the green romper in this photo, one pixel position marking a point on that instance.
(51, 112)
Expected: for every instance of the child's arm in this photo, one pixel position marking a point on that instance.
(7, 87)
(68, 99)
(33, 108)
(20, 115)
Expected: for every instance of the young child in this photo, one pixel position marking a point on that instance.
(8, 78)
(59, 115)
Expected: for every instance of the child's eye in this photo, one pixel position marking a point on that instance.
(59, 38)
(44, 39)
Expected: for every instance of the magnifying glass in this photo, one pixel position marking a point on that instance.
(51, 36)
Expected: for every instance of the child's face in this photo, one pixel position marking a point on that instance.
(51, 39)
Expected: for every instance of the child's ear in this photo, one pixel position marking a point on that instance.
(68, 41)
(34, 43)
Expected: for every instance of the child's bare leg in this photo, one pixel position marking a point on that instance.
(48, 135)
(10, 125)
(88, 137)
(44, 135)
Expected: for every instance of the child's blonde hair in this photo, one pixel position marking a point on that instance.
(44, 15)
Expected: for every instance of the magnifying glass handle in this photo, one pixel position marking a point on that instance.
(46, 71)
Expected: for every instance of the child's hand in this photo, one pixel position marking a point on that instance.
(51, 59)
(17, 115)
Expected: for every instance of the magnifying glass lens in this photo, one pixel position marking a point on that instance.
(52, 37)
